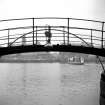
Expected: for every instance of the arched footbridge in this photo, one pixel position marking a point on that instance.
(66, 35)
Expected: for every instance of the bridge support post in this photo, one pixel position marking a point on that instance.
(36, 35)
(68, 31)
(8, 37)
(33, 31)
(63, 35)
(91, 38)
(102, 34)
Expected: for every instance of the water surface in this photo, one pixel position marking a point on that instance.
(49, 84)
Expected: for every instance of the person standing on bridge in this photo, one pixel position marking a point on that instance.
(48, 35)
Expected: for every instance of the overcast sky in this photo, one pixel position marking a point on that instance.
(88, 9)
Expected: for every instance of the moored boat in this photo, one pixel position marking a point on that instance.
(76, 60)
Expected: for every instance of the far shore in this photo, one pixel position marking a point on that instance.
(39, 61)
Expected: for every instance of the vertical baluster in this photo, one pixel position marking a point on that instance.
(33, 31)
(8, 37)
(68, 31)
(91, 38)
(64, 35)
(102, 34)
(36, 35)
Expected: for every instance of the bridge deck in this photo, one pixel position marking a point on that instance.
(60, 48)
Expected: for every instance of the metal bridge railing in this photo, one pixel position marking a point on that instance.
(31, 31)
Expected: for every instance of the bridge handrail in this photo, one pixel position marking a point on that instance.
(51, 18)
(68, 30)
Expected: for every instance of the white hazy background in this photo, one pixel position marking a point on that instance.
(88, 9)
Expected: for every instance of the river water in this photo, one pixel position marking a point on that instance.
(49, 84)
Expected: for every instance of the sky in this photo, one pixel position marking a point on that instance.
(85, 9)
